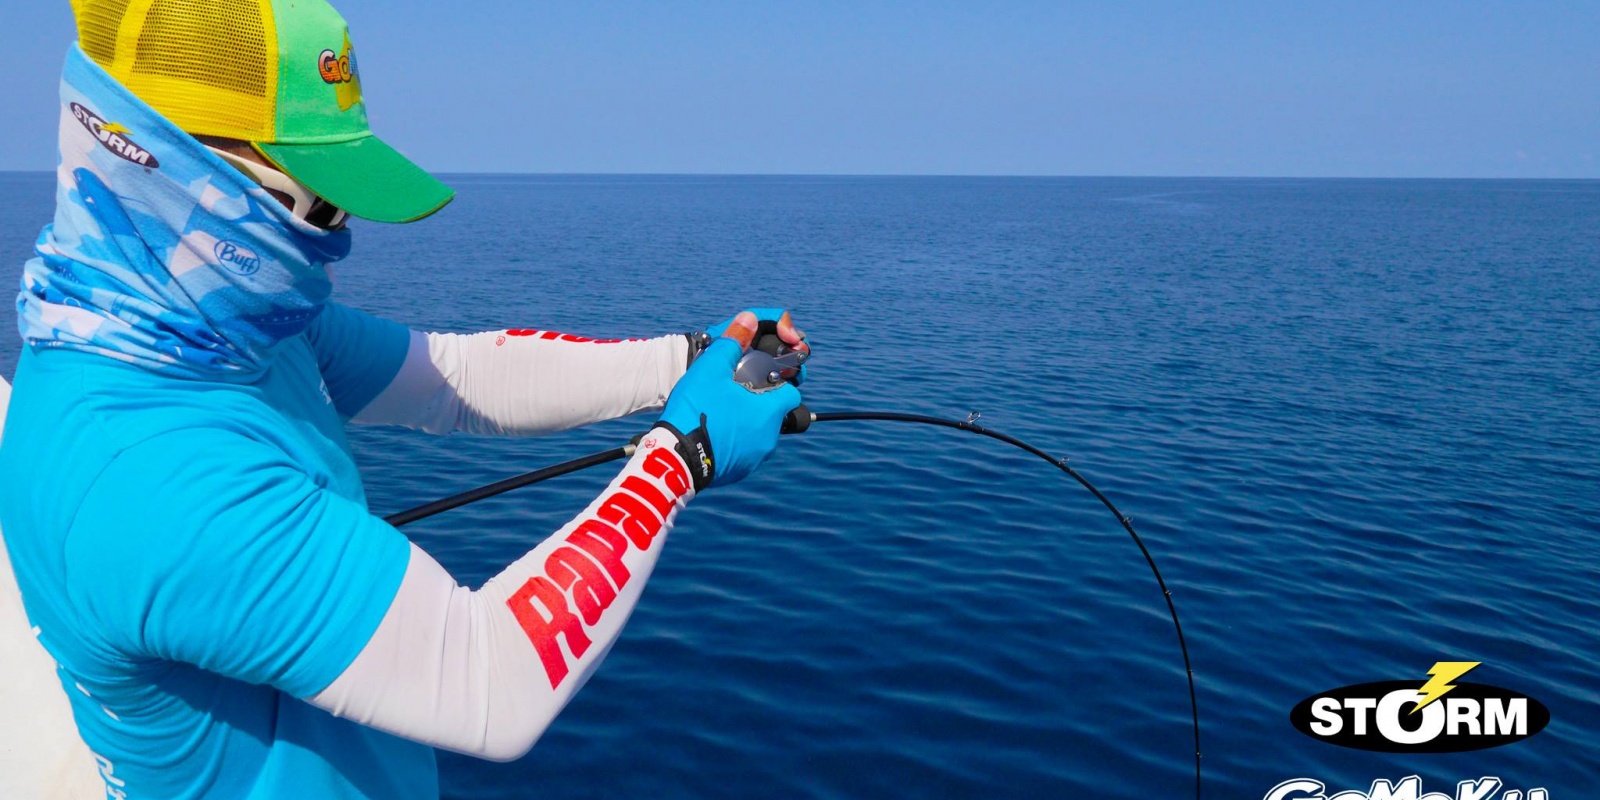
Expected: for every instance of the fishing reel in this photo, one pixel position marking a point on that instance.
(771, 363)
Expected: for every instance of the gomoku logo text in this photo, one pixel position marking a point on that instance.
(236, 257)
(113, 137)
(1432, 716)
(1409, 788)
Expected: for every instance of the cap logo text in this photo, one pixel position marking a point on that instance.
(333, 67)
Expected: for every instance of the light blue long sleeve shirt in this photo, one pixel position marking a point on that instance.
(198, 554)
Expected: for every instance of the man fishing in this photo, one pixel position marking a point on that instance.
(181, 507)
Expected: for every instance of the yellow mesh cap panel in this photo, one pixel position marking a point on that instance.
(217, 43)
(98, 21)
(209, 66)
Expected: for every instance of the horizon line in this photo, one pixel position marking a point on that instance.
(1080, 176)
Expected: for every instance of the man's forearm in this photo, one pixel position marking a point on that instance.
(525, 381)
(484, 673)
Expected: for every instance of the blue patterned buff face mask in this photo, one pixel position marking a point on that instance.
(161, 254)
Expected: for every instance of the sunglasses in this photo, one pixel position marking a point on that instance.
(306, 204)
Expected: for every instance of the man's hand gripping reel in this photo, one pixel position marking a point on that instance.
(771, 363)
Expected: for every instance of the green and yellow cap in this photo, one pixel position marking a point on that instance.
(279, 74)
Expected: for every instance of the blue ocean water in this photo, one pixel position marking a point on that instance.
(1356, 422)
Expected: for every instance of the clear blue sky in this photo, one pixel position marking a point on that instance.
(1395, 88)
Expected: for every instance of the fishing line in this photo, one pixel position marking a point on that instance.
(798, 424)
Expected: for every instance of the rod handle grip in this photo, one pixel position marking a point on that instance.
(798, 420)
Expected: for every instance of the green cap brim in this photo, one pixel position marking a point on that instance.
(365, 177)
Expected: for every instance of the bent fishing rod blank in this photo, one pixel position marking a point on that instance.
(799, 421)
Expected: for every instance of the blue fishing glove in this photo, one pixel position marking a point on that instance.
(724, 430)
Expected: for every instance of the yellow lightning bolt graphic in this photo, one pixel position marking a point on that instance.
(113, 127)
(1439, 685)
(348, 92)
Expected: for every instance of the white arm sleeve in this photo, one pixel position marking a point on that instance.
(525, 381)
(485, 672)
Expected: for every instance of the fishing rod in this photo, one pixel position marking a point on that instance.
(800, 420)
